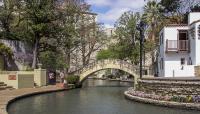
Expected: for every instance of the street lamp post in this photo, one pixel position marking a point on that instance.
(141, 28)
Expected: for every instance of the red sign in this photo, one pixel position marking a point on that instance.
(12, 77)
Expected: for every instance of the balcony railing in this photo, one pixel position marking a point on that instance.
(177, 46)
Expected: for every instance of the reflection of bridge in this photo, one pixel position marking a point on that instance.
(109, 64)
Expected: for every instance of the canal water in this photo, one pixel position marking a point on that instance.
(96, 97)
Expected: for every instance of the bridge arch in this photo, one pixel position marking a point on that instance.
(109, 64)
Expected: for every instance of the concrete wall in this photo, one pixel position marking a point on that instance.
(170, 86)
(197, 45)
(193, 16)
(193, 44)
(161, 53)
(172, 60)
(24, 79)
(197, 71)
(173, 67)
(40, 77)
(17, 79)
(4, 77)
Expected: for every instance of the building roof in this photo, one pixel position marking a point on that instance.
(181, 25)
(195, 22)
(176, 25)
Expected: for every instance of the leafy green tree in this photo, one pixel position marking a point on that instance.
(37, 19)
(5, 51)
(195, 8)
(5, 54)
(127, 36)
(126, 27)
(91, 35)
(68, 35)
(153, 17)
(52, 60)
(105, 54)
(170, 6)
(8, 20)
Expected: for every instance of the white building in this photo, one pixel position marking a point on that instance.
(1, 2)
(179, 49)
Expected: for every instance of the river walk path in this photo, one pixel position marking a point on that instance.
(7, 96)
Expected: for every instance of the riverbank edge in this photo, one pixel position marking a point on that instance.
(4, 110)
(170, 104)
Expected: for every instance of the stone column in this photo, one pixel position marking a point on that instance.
(135, 82)
(1, 63)
(40, 77)
(197, 71)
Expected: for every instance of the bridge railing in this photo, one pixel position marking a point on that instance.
(123, 64)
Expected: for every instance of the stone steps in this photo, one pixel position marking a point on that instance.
(4, 86)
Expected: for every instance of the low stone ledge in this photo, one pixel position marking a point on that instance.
(191, 106)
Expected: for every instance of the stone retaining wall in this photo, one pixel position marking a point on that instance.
(24, 79)
(169, 87)
(197, 71)
(163, 103)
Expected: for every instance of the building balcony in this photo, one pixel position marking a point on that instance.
(177, 46)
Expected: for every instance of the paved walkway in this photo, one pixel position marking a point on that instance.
(7, 96)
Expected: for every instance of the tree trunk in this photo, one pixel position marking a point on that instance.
(35, 53)
(153, 37)
(83, 54)
(67, 55)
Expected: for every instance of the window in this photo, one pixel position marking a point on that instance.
(190, 61)
(182, 61)
(183, 35)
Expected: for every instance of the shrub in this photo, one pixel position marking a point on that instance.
(189, 98)
(196, 98)
(72, 79)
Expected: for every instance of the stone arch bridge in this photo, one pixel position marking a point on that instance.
(109, 64)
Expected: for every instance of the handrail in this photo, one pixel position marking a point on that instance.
(122, 63)
(177, 45)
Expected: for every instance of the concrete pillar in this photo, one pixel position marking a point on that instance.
(40, 77)
(135, 81)
(1, 63)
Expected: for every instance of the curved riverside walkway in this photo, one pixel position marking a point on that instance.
(8, 96)
(171, 104)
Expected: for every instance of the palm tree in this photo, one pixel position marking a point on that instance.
(153, 17)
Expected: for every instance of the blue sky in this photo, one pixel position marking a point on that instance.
(110, 10)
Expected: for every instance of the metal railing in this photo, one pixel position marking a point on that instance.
(177, 45)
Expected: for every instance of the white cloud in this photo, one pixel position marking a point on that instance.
(111, 15)
(99, 2)
(108, 26)
(115, 8)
